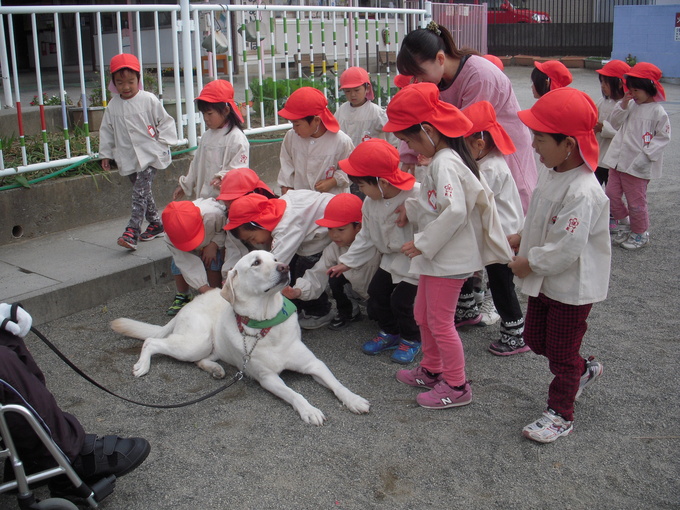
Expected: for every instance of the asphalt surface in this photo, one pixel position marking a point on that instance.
(247, 449)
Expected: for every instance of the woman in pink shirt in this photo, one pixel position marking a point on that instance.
(430, 54)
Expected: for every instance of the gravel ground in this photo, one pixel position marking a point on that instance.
(247, 449)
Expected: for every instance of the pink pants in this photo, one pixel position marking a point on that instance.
(635, 190)
(434, 311)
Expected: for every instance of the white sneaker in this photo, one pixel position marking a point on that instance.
(315, 321)
(636, 241)
(488, 311)
(594, 370)
(621, 234)
(548, 428)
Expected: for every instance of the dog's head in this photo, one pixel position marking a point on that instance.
(253, 286)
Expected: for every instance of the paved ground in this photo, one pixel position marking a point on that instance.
(247, 449)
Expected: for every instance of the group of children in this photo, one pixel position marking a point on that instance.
(408, 249)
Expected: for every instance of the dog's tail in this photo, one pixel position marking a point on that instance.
(141, 330)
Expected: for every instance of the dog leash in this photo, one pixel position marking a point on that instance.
(237, 377)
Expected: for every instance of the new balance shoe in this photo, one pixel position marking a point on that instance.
(443, 396)
(511, 341)
(339, 322)
(548, 428)
(314, 321)
(613, 225)
(153, 231)
(636, 241)
(418, 377)
(406, 352)
(129, 239)
(179, 302)
(381, 342)
(593, 371)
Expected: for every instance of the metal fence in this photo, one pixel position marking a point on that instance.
(270, 50)
(576, 27)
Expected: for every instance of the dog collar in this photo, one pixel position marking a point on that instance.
(286, 311)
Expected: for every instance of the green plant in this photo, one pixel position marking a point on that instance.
(280, 90)
(631, 60)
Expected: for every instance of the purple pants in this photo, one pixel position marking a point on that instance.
(555, 330)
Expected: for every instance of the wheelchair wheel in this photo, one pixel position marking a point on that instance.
(55, 504)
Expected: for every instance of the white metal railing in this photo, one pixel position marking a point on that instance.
(270, 46)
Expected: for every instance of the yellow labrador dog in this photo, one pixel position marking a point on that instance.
(217, 326)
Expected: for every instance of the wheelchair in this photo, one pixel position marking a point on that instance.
(90, 495)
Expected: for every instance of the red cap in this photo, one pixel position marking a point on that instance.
(124, 60)
(220, 91)
(307, 101)
(556, 71)
(341, 210)
(420, 103)
(614, 68)
(496, 61)
(356, 77)
(570, 112)
(266, 212)
(483, 118)
(239, 182)
(183, 223)
(649, 72)
(377, 158)
(401, 80)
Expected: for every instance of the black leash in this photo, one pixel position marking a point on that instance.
(237, 377)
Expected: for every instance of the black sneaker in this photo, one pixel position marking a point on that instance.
(339, 322)
(128, 239)
(153, 231)
(109, 455)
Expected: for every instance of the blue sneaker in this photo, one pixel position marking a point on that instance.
(406, 352)
(382, 342)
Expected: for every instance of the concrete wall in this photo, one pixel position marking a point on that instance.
(648, 33)
(61, 204)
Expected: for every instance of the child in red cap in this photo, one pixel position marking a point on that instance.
(611, 84)
(374, 167)
(564, 251)
(223, 146)
(458, 232)
(488, 142)
(342, 218)
(137, 133)
(311, 150)
(635, 155)
(195, 237)
(287, 228)
(359, 116)
(548, 76)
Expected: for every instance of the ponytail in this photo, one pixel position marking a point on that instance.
(423, 44)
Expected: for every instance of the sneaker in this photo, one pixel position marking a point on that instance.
(468, 318)
(506, 347)
(314, 321)
(443, 396)
(613, 226)
(593, 371)
(178, 303)
(153, 231)
(339, 322)
(548, 428)
(382, 342)
(129, 239)
(488, 311)
(622, 234)
(636, 241)
(418, 377)
(109, 455)
(406, 352)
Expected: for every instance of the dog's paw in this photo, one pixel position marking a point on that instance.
(214, 369)
(140, 368)
(313, 416)
(357, 404)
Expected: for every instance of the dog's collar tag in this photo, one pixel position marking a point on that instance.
(284, 314)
